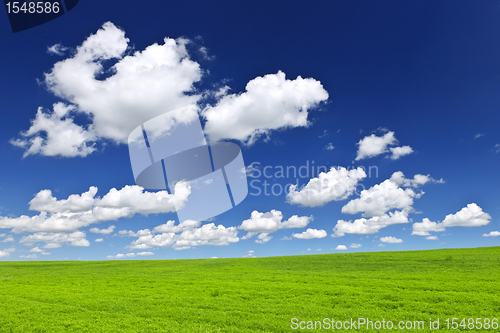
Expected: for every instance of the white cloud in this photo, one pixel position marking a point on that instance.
(45, 202)
(381, 198)
(99, 240)
(82, 210)
(470, 216)
(138, 201)
(263, 222)
(57, 49)
(38, 250)
(63, 136)
(391, 239)
(381, 245)
(330, 146)
(271, 221)
(141, 86)
(336, 184)
(492, 234)
(371, 146)
(148, 240)
(376, 204)
(171, 227)
(397, 152)
(263, 238)
(30, 256)
(423, 228)
(208, 234)
(55, 240)
(341, 247)
(130, 255)
(478, 135)
(266, 223)
(269, 103)
(102, 231)
(497, 148)
(191, 235)
(432, 238)
(355, 246)
(418, 180)
(310, 234)
(372, 225)
(8, 239)
(4, 254)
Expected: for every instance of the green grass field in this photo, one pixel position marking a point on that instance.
(250, 294)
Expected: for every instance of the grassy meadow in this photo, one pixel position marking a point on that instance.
(250, 294)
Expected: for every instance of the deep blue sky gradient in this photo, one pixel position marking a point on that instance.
(427, 70)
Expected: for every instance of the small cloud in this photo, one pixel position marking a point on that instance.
(478, 135)
(30, 256)
(130, 255)
(492, 234)
(381, 245)
(57, 49)
(355, 246)
(391, 240)
(330, 146)
(103, 231)
(286, 238)
(325, 133)
(8, 239)
(98, 240)
(497, 148)
(432, 238)
(397, 152)
(341, 247)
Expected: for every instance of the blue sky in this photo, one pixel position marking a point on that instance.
(399, 98)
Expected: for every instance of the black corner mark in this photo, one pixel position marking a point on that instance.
(28, 14)
(70, 4)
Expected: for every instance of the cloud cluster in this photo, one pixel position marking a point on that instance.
(470, 216)
(334, 185)
(267, 223)
(54, 240)
(270, 102)
(382, 205)
(183, 236)
(144, 84)
(130, 255)
(373, 145)
(59, 220)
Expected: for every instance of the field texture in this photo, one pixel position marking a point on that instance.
(251, 294)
